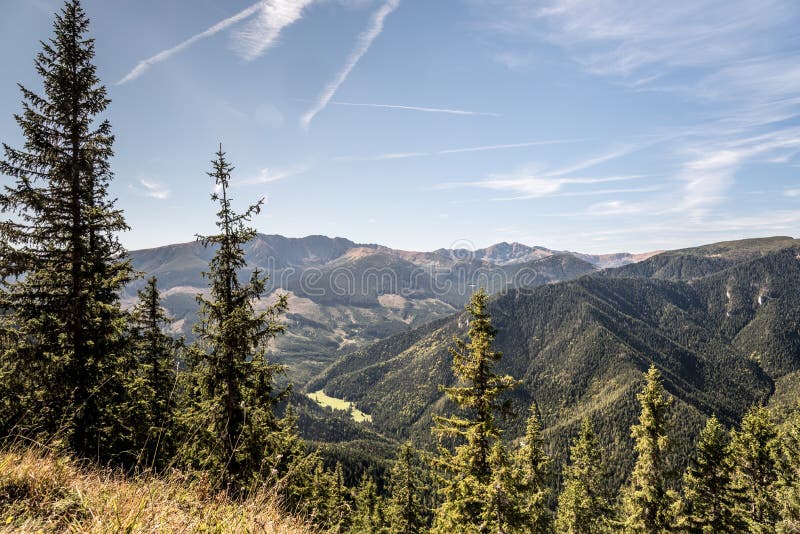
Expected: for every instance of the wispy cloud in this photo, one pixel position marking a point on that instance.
(461, 150)
(711, 168)
(268, 175)
(271, 16)
(386, 156)
(528, 184)
(447, 111)
(616, 208)
(532, 182)
(792, 193)
(596, 160)
(648, 38)
(365, 41)
(262, 31)
(736, 57)
(505, 146)
(151, 189)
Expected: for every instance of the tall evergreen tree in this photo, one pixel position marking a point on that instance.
(290, 466)
(331, 511)
(368, 514)
(64, 367)
(583, 506)
(505, 503)
(755, 449)
(157, 356)
(711, 500)
(789, 482)
(647, 500)
(235, 383)
(534, 466)
(468, 470)
(406, 510)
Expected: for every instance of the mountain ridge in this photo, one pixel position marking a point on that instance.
(343, 294)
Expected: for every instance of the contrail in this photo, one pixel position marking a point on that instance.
(364, 42)
(416, 108)
(144, 65)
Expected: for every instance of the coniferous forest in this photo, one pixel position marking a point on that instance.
(85, 379)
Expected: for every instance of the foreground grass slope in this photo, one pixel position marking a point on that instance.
(44, 492)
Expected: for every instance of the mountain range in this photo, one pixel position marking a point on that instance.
(344, 295)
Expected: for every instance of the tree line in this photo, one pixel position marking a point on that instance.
(80, 374)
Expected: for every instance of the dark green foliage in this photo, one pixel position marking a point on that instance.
(647, 500)
(288, 466)
(468, 469)
(155, 384)
(535, 477)
(368, 508)
(234, 389)
(755, 450)
(583, 506)
(329, 500)
(63, 365)
(789, 483)
(407, 511)
(712, 502)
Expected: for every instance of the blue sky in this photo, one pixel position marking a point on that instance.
(591, 125)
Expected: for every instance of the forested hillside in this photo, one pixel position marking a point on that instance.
(720, 323)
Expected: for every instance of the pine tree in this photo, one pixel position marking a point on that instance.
(789, 482)
(648, 501)
(235, 390)
(711, 501)
(583, 506)
(368, 515)
(755, 450)
(157, 356)
(64, 367)
(468, 470)
(406, 510)
(534, 466)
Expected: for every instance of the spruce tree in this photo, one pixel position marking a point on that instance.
(468, 470)
(406, 510)
(583, 506)
(64, 367)
(789, 482)
(505, 503)
(157, 356)
(648, 501)
(534, 466)
(711, 501)
(331, 511)
(755, 450)
(235, 391)
(368, 514)
(290, 466)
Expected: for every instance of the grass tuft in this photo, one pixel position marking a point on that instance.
(44, 492)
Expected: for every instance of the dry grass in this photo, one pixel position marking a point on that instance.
(43, 492)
